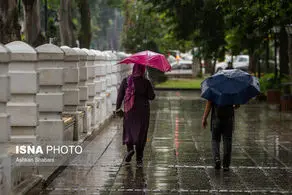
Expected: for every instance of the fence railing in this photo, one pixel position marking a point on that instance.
(44, 89)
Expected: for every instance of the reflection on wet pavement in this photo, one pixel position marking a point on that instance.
(178, 157)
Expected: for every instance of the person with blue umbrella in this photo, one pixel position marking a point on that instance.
(224, 92)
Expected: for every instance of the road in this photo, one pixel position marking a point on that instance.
(178, 157)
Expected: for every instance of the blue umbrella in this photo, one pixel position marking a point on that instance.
(230, 87)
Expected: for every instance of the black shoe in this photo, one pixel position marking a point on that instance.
(217, 164)
(129, 155)
(139, 163)
(225, 169)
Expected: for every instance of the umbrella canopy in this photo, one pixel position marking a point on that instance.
(230, 87)
(148, 58)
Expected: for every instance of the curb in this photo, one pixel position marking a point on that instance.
(38, 184)
(29, 186)
(87, 138)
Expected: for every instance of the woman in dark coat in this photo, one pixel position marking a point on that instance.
(135, 91)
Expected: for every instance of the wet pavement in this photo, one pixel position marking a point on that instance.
(178, 158)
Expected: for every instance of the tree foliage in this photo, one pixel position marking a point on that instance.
(215, 26)
(95, 23)
(198, 21)
(145, 28)
(252, 23)
(227, 25)
(106, 22)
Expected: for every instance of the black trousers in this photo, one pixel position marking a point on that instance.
(139, 150)
(222, 128)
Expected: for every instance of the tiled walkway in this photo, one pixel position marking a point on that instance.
(178, 157)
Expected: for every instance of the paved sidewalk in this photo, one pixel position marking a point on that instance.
(178, 157)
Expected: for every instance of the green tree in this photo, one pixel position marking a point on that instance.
(66, 25)
(84, 35)
(106, 20)
(211, 32)
(32, 22)
(254, 20)
(9, 27)
(143, 30)
(144, 26)
(199, 21)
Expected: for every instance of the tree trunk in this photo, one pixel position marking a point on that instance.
(32, 22)
(195, 66)
(267, 55)
(290, 57)
(252, 61)
(127, 15)
(46, 18)
(115, 31)
(9, 26)
(84, 35)
(284, 67)
(208, 65)
(215, 56)
(200, 63)
(66, 25)
(259, 68)
(213, 65)
(127, 18)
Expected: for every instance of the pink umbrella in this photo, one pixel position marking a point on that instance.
(148, 58)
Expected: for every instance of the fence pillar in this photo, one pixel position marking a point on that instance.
(119, 68)
(24, 86)
(91, 86)
(98, 86)
(108, 84)
(84, 90)
(71, 89)
(50, 96)
(5, 131)
(114, 81)
(103, 95)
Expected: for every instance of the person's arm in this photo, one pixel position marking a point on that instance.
(121, 94)
(206, 113)
(150, 92)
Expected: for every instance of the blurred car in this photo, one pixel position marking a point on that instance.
(171, 58)
(220, 66)
(181, 65)
(187, 56)
(240, 62)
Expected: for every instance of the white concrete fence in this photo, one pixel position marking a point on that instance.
(52, 93)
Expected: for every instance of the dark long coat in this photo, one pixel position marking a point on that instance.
(136, 121)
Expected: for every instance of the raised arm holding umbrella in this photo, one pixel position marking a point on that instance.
(225, 91)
